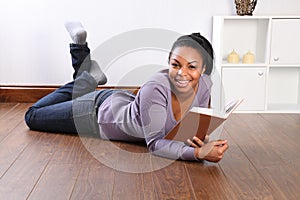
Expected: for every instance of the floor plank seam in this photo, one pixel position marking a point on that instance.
(40, 176)
(114, 184)
(7, 112)
(190, 180)
(23, 150)
(10, 132)
(252, 164)
(77, 176)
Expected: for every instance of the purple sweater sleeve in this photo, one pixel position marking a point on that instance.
(156, 119)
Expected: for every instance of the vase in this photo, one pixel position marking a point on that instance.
(245, 7)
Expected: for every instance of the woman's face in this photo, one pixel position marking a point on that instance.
(186, 67)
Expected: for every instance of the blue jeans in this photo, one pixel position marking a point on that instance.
(73, 107)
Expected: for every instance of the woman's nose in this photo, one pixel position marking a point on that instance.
(182, 71)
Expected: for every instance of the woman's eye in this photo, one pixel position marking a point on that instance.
(193, 67)
(175, 65)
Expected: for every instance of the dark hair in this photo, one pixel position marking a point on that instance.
(199, 43)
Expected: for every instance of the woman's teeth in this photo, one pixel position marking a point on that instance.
(182, 83)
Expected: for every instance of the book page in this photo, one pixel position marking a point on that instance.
(230, 107)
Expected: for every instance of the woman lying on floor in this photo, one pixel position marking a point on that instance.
(78, 107)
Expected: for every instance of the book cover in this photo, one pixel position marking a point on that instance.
(201, 122)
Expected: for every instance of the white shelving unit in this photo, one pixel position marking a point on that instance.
(272, 82)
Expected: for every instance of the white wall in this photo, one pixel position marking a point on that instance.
(34, 44)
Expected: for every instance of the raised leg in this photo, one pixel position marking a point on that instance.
(81, 60)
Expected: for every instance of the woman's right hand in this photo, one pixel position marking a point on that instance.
(212, 151)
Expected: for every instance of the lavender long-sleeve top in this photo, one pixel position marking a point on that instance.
(148, 116)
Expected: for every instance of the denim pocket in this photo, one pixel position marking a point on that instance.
(84, 115)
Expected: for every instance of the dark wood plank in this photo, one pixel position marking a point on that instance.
(23, 154)
(133, 173)
(72, 151)
(244, 179)
(171, 182)
(17, 112)
(87, 151)
(134, 186)
(22, 175)
(287, 127)
(276, 132)
(251, 138)
(6, 127)
(57, 182)
(5, 108)
(133, 158)
(13, 145)
(285, 137)
(14, 137)
(271, 133)
(208, 181)
(233, 178)
(93, 179)
(94, 182)
(294, 116)
(284, 180)
(11, 116)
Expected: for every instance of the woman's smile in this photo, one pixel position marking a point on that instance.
(186, 67)
(181, 83)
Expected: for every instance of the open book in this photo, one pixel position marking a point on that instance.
(200, 122)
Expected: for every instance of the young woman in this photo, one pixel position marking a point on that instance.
(119, 115)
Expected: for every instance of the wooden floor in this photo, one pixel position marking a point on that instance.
(263, 162)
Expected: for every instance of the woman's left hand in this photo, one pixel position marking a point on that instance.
(196, 142)
(211, 151)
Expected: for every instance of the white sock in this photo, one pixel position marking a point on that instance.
(77, 32)
(97, 73)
